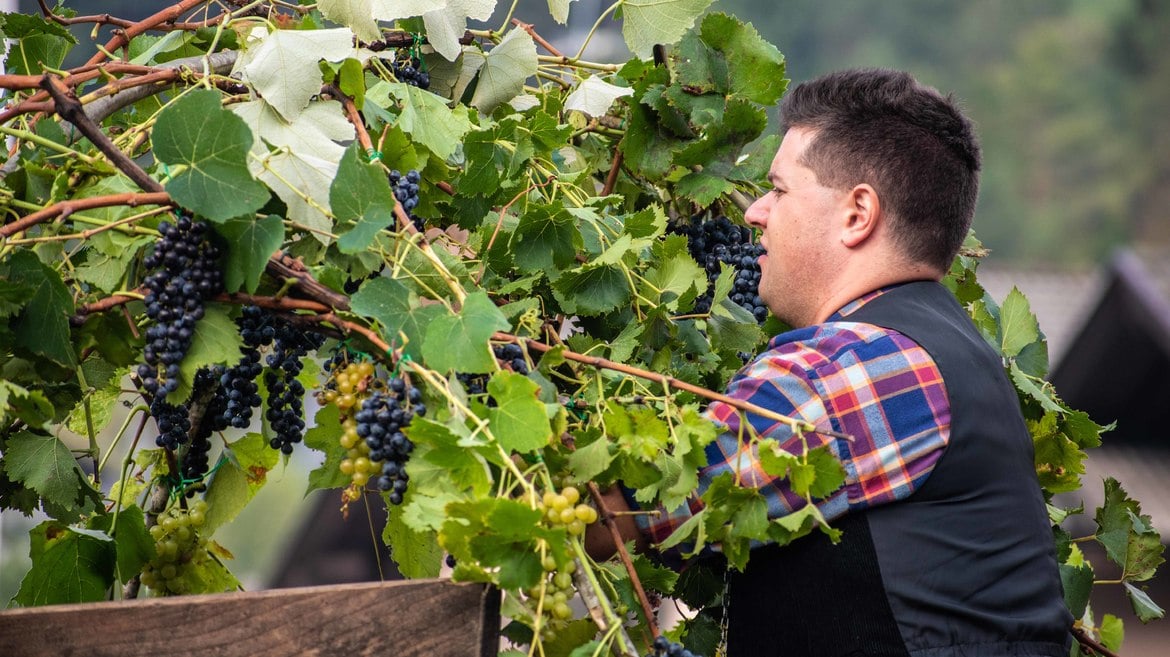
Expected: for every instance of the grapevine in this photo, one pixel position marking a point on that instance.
(531, 271)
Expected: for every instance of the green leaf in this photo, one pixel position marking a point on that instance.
(426, 117)
(352, 81)
(360, 194)
(212, 145)
(133, 543)
(1112, 631)
(590, 460)
(1077, 582)
(37, 53)
(216, 341)
(677, 278)
(29, 406)
(1128, 537)
(460, 342)
(1018, 326)
(819, 475)
(505, 68)
(545, 239)
(73, 567)
(441, 463)
(754, 67)
(417, 553)
(242, 472)
(649, 22)
(45, 464)
(42, 327)
(251, 241)
(323, 437)
(592, 289)
(1143, 606)
(518, 420)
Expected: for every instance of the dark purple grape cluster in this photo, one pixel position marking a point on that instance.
(285, 412)
(406, 191)
(664, 647)
(383, 416)
(409, 70)
(195, 457)
(173, 422)
(238, 383)
(719, 241)
(511, 355)
(185, 273)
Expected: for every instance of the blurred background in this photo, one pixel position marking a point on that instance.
(1069, 99)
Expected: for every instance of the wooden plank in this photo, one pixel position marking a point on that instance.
(435, 618)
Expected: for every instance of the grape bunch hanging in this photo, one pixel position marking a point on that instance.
(719, 241)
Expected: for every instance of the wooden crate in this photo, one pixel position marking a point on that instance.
(435, 618)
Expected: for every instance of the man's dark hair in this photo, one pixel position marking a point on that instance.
(911, 143)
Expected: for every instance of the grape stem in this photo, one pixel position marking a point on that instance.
(1087, 641)
(677, 384)
(607, 517)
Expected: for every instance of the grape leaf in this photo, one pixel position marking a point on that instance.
(1127, 536)
(73, 567)
(323, 437)
(43, 325)
(242, 472)
(592, 289)
(649, 22)
(595, 96)
(559, 10)
(439, 461)
(417, 553)
(212, 145)
(446, 25)
(133, 543)
(251, 241)
(1018, 326)
(518, 420)
(460, 342)
(360, 194)
(504, 71)
(754, 67)
(29, 406)
(357, 15)
(1077, 582)
(36, 53)
(316, 130)
(216, 341)
(426, 117)
(283, 67)
(545, 239)
(302, 182)
(45, 464)
(1143, 606)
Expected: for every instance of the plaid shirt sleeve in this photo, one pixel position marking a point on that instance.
(871, 383)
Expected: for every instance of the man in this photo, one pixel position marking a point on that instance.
(946, 546)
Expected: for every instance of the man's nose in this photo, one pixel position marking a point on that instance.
(757, 213)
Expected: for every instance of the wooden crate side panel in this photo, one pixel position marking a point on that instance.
(412, 618)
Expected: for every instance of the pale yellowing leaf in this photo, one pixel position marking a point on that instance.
(594, 96)
(446, 25)
(284, 70)
(559, 9)
(358, 15)
(296, 178)
(316, 130)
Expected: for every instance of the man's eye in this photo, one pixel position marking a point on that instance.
(777, 191)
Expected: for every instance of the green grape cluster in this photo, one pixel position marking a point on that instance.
(552, 594)
(179, 549)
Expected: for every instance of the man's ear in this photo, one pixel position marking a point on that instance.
(864, 213)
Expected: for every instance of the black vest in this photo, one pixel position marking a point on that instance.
(964, 567)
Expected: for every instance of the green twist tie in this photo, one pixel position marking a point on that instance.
(374, 155)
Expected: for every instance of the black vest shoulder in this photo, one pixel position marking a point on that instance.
(967, 560)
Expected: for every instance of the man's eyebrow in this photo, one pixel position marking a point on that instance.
(775, 179)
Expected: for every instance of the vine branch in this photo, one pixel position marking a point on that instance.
(67, 207)
(677, 384)
(1087, 641)
(70, 109)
